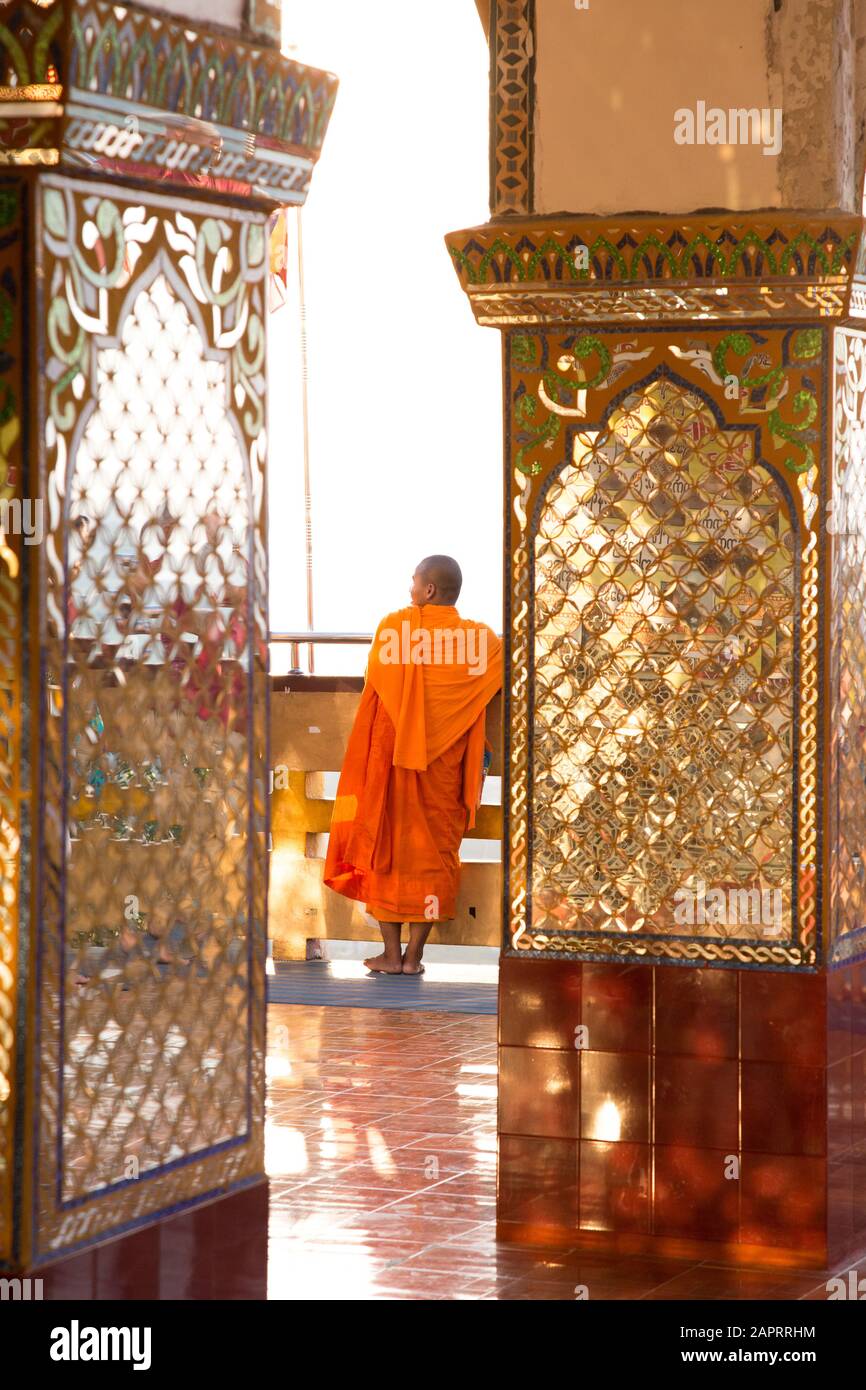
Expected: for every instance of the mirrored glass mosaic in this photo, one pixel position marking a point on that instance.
(665, 607)
(152, 939)
(847, 524)
(14, 513)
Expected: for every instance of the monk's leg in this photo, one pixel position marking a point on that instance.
(391, 962)
(418, 934)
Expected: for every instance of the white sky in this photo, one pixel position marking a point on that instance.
(404, 387)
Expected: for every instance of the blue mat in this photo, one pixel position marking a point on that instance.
(311, 982)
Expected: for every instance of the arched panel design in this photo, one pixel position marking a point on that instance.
(665, 603)
(150, 993)
(157, 753)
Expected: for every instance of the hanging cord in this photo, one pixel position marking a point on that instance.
(308, 504)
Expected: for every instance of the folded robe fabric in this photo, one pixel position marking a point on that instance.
(412, 774)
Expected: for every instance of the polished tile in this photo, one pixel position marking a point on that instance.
(783, 1201)
(75, 1279)
(858, 1164)
(840, 1112)
(217, 1250)
(382, 1148)
(783, 1017)
(539, 1092)
(839, 1013)
(784, 1109)
(840, 1205)
(696, 1011)
(616, 1007)
(696, 1194)
(538, 1180)
(402, 1206)
(539, 1002)
(614, 1187)
(858, 1100)
(858, 1007)
(615, 1097)
(716, 1283)
(481, 1143)
(697, 1102)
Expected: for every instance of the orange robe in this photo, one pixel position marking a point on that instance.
(412, 774)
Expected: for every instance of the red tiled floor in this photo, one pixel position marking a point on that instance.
(381, 1149)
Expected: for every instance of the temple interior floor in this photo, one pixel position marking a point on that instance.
(381, 1152)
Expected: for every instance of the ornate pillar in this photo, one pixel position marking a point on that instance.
(143, 157)
(683, 986)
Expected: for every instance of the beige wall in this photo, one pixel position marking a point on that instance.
(228, 12)
(609, 79)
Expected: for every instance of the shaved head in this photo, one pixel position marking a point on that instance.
(444, 574)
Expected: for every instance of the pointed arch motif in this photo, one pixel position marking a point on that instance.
(154, 707)
(665, 628)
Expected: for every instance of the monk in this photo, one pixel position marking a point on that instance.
(414, 765)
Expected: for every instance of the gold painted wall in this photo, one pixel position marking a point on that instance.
(610, 78)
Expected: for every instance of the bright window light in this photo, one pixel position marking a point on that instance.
(404, 388)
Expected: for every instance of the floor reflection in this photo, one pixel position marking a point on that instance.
(381, 1151)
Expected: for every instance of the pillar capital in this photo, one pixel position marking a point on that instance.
(718, 266)
(94, 87)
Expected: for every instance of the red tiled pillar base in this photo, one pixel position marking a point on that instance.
(683, 1110)
(215, 1251)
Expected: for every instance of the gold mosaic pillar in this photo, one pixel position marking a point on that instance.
(142, 159)
(682, 1019)
(683, 1003)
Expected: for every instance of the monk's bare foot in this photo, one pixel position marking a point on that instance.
(412, 967)
(382, 965)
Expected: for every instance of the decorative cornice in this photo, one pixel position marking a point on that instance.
(147, 97)
(644, 268)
